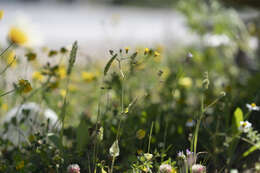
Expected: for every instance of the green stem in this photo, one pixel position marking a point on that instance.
(8, 92)
(8, 65)
(6, 49)
(150, 137)
(198, 125)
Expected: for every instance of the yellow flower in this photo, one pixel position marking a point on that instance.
(185, 82)
(38, 76)
(62, 72)
(63, 92)
(140, 151)
(20, 165)
(4, 107)
(126, 49)
(87, 76)
(24, 86)
(11, 58)
(1, 14)
(18, 36)
(156, 53)
(140, 134)
(146, 51)
(157, 56)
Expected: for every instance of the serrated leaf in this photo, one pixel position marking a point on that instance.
(109, 64)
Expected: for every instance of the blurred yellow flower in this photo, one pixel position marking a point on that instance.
(20, 165)
(62, 72)
(156, 53)
(127, 49)
(72, 87)
(38, 76)
(185, 82)
(11, 58)
(87, 76)
(157, 56)
(146, 51)
(1, 14)
(24, 86)
(140, 134)
(63, 92)
(18, 36)
(4, 107)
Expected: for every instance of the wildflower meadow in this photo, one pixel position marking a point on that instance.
(190, 108)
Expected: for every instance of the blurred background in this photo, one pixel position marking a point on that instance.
(97, 25)
(100, 25)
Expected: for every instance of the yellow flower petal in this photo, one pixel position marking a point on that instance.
(18, 36)
(1, 14)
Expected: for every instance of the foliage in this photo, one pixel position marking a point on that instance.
(134, 113)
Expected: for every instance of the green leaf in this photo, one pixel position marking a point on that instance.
(82, 135)
(238, 116)
(250, 150)
(55, 139)
(109, 64)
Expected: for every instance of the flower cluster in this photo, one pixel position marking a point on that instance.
(165, 168)
(188, 161)
(73, 168)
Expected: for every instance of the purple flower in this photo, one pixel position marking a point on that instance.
(191, 158)
(181, 155)
(188, 152)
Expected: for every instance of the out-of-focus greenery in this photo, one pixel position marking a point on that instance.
(147, 99)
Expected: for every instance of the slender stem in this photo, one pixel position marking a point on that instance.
(112, 166)
(8, 92)
(247, 115)
(211, 104)
(10, 45)
(63, 109)
(150, 137)
(8, 65)
(198, 125)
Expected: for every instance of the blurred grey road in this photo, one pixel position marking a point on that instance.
(98, 27)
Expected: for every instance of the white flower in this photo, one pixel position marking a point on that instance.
(148, 156)
(28, 115)
(114, 149)
(197, 168)
(181, 155)
(73, 168)
(165, 168)
(245, 126)
(24, 33)
(190, 123)
(253, 107)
